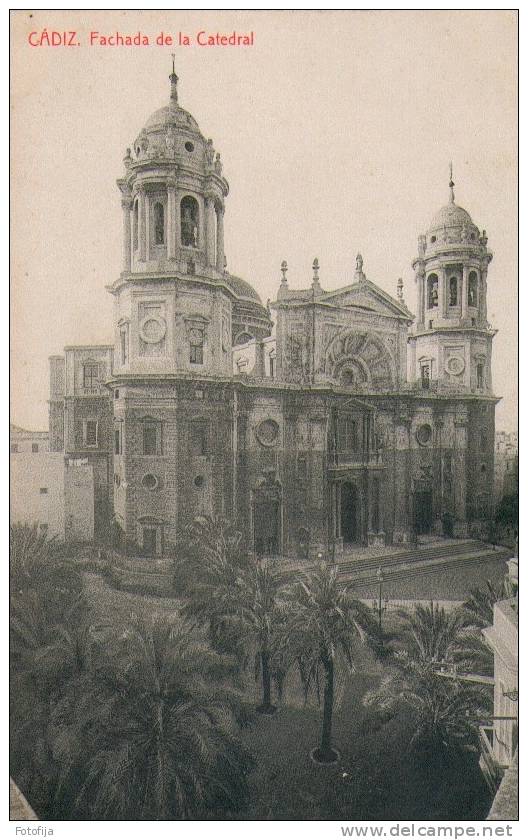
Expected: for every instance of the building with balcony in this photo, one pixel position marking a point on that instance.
(342, 421)
(499, 739)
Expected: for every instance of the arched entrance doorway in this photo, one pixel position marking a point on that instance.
(423, 511)
(349, 513)
(267, 518)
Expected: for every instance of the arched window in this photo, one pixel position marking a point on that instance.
(432, 291)
(243, 338)
(453, 291)
(472, 288)
(272, 357)
(135, 219)
(190, 215)
(196, 342)
(159, 223)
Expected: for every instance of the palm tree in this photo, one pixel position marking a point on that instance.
(432, 635)
(157, 731)
(255, 618)
(236, 597)
(324, 620)
(28, 550)
(447, 710)
(478, 607)
(446, 713)
(210, 559)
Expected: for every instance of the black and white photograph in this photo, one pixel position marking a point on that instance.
(263, 432)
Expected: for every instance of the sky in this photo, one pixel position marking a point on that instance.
(336, 130)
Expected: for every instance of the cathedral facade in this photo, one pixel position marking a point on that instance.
(355, 423)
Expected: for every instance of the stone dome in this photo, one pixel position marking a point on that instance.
(171, 115)
(451, 215)
(242, 289)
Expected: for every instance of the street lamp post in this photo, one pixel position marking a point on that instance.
(379, 575)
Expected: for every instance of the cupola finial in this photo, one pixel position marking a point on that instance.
(174, 81)
(451, 184)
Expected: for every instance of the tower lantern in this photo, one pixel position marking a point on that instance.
(452, 339)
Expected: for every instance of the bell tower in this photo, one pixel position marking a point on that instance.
(452, 342)
(172, 196)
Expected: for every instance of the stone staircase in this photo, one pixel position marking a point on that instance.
(409, 563)
(420, 561)
(155, 577)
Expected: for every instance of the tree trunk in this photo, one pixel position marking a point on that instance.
(267, 708)
(266, 679)
(159, 787)
(325, 753)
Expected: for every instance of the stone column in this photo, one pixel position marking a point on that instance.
(460, 474)
(210, 230)
(338, 538)
(439, 504)
(442, 278)
(177, 220)
(403, 506)
(464, 292)
(420, 281)
(260, 362)
(147, 227)
(142, 240)
(483, 295)
(126, 204)
(171, 233)
(220, 239)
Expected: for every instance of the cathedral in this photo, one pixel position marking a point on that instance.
(322, 420)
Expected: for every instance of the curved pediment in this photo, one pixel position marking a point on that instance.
(360, 360)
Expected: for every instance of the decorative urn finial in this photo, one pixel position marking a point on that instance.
(399, 289)
(316, 286)
(284, 269)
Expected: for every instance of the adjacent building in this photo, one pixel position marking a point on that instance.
(324, 419)
(81, 421)
(55, 494)
(499, 740)
(23, 440)
(506, 465)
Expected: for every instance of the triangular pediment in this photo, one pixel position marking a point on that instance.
(368, 297)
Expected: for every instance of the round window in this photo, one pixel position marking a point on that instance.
(424, 434)
(268, 432)
(199, 481)
(152, 329)
(149, 481)
(189, 146)
(433, 238)
(455, 365)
